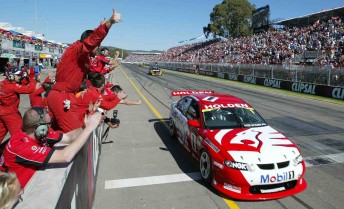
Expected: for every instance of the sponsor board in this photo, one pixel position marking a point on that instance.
(272, 83)
(250, 79)
(303, 88)
(233, 77)
(221, 75)
(338, 93)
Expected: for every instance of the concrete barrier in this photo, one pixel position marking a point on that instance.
(66, 185)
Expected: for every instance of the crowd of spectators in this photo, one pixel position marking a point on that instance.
(9, 35)
(275, 46)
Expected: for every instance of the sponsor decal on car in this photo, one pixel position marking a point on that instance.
(285, 176)
(232, 188)
(190, 92)
(210, 99)
(210, 144)
(272, 190)
(219, 165)
(214, 106)
(237, 165)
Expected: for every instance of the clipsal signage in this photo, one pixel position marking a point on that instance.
(250, 79)
(272, 83)
(303, 88)
(220, 75)
(214, 106)
(233, 77)
(338, 93)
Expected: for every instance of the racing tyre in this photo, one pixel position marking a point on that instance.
(172, 129)
(205, 166)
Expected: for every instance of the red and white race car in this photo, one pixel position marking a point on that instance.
(240, 154)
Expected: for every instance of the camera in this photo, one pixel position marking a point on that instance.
(114, 120)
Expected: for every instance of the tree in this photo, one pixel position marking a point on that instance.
(231, 18)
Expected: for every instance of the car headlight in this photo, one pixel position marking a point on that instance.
(297, 160)
(239, 165)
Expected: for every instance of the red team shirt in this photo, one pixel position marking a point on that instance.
(98, 64)
(24, 155)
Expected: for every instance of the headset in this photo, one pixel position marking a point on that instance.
(102, 51)
(42, 127)
(10, 77)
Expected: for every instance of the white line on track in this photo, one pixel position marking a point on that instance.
(154, 180)
(122, 183)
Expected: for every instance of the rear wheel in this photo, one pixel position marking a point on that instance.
(205, 166)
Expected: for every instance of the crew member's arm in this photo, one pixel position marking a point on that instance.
(98, 35)
(24, 89)
(67, 154)
(106, 104)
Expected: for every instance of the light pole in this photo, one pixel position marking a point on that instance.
(46, 35)
(122, 45)
(36, 16)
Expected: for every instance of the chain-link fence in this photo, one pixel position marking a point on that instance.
(324, 75)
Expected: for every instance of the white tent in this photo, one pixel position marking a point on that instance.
(6, 26)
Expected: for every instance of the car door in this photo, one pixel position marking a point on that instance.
(194, 138)
(181, 120)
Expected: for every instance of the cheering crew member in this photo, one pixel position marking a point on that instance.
(35, 97)
(10, 90)
(33, 147)
(71, 71)
(94, 94)
(99, 62)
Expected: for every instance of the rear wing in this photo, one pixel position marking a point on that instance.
(175, 93)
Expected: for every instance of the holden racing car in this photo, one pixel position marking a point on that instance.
(237, 151)
(154, 70)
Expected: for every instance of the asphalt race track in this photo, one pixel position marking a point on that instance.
(142, 167)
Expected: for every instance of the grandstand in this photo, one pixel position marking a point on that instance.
(315, 39)
(19, 46)
(140, 56)
(312, 18)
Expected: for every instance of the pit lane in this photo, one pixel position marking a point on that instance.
(142, 147)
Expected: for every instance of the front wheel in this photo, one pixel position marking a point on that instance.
(205, 166)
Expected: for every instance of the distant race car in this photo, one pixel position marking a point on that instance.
(238, 153)
(154, 70)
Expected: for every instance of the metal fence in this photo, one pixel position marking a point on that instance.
(323, 75)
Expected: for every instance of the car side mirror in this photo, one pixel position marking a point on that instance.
(194, 123)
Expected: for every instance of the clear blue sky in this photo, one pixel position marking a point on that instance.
(146, 25)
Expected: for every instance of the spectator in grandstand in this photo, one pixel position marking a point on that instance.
(10, 190)
(10, 88)
(102, 65)
(32, 147)
(71, 71)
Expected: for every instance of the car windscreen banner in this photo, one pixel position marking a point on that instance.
(190, 92)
